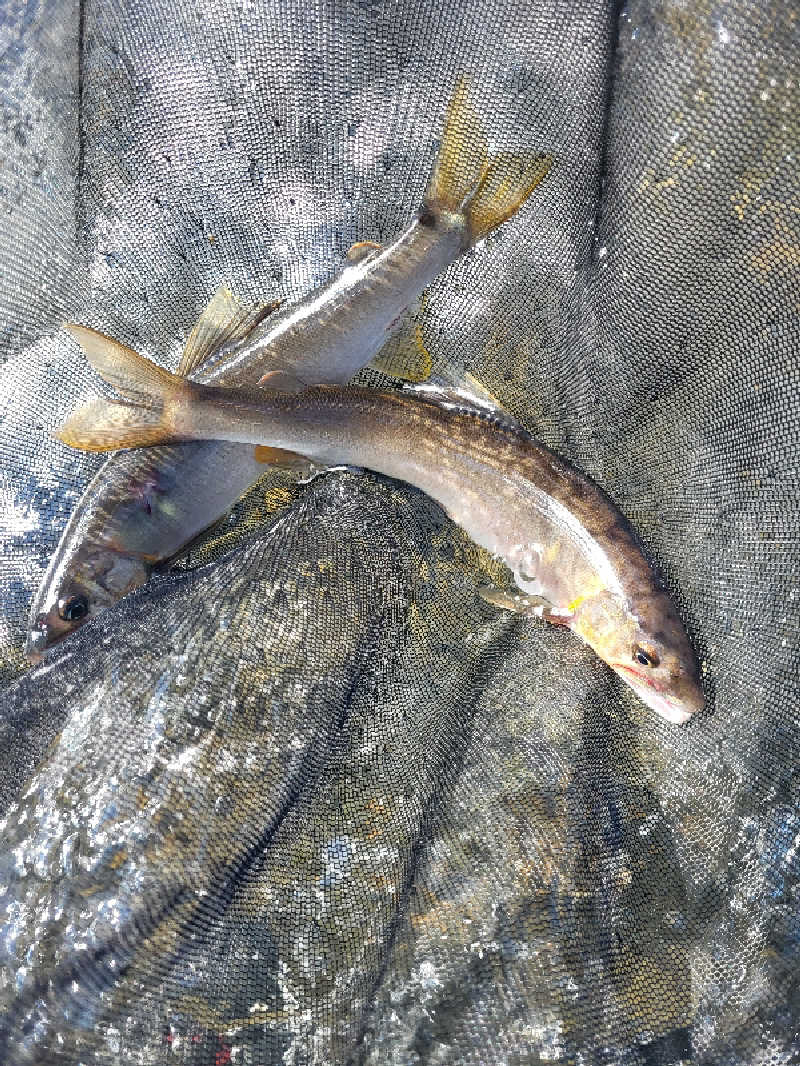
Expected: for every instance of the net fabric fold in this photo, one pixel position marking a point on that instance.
(309, 799)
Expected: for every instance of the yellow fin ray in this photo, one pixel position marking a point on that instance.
(508, 181)
(404, 355)
(462, 154)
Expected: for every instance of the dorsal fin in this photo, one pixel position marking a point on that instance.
(224, 321)
(468, 396)
(363, 250)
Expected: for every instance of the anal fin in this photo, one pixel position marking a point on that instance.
(404, 355)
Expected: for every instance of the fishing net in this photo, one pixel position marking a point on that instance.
(307, 798)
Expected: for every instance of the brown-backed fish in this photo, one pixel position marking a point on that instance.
(575, 559)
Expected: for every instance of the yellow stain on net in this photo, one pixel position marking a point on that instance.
(779, 253)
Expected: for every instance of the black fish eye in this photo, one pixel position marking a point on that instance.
(646, 658)
(73, 609)
(427, 219)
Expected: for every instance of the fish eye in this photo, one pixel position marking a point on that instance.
(645, 656)
(73, 609)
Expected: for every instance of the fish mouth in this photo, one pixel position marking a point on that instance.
(46, 630)
(35, 646)
(671, 707)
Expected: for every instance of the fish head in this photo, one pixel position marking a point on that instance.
(80, 582)
(647, 647)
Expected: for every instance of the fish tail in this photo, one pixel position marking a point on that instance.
(507, 182)
(463, 155)
(145, 414)
(486, 189)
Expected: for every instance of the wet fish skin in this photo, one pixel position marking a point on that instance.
(574, 557)
(335, 331)
(140, 512)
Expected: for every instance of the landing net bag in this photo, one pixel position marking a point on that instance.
(307, 799)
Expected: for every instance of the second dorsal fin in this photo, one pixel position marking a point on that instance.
(467, 395)
(224, 321)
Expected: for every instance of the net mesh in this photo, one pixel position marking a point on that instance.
(308, 799)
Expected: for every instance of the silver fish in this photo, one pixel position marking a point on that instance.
(574, 558)
(142, 510)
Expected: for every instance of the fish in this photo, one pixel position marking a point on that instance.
(141, 511)
(574, 558)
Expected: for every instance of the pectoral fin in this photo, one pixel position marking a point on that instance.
(522, 603)
(223, 322)
(509, 600)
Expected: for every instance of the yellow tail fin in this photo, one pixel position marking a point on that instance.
(463, 155)
(506, 184)
(466, 179)
(142, 418)
(105, 425)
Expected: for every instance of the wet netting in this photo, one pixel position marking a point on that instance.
(306, 798)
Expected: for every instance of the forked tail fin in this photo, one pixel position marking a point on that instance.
(463, 155)
(141, 418)
(466, 179)
(507, 182)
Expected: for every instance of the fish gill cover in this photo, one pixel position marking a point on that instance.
(309, 799)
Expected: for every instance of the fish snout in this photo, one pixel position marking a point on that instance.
(676, 702)
(47, 629)
(691, 697)
(675, 708)
(37, 642)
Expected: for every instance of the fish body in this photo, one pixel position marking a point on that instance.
(336, 331)
(574, 558)
(141, 511)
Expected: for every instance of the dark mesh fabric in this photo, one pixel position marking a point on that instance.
(309, 800)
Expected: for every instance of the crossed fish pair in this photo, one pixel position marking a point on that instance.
(253, 388)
